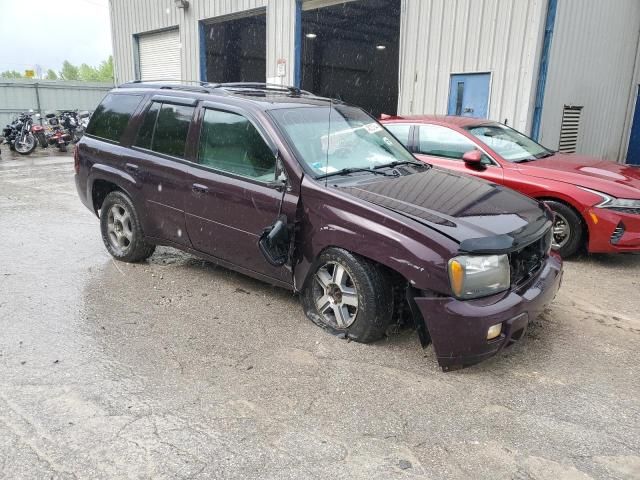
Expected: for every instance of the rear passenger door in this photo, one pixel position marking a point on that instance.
(160, 151)
(232, 197)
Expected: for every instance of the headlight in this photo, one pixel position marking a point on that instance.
(612, 202)
(479, 276)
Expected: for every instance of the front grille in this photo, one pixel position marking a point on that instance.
(527, 262)
(617, 233)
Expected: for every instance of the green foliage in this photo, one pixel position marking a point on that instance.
(69, 71)
(11, 74)
(84, 73)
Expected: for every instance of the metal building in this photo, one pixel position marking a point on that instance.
(566, 72)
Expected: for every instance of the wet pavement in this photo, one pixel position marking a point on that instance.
(176, 368)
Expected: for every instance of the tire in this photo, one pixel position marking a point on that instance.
(121, 230)
(62, 147)
(42, 141)
(367, 313)
(29, 145)
(567, 224)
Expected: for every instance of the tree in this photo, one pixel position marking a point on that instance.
(87, 73)
(51, 75)
(11, 74)
(69, 71)
(105, 70)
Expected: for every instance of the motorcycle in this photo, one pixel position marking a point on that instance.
(20, 134)
(56, 134)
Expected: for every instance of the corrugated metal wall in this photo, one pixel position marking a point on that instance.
(593, 53)
(441, 37)
(20, 95)
(132, 17)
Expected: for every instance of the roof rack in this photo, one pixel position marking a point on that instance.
(205, 87)
(188, 85)
(261, 86)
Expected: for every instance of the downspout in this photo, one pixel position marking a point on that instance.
(297, 46)
(544, 66)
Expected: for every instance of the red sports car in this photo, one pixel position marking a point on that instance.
(596, 202)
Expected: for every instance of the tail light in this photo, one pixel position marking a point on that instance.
(76, 159)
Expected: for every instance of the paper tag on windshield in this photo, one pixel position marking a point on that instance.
(328, 169)
(372, 127)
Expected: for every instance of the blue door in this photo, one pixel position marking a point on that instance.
(469, 95)
(633, 153)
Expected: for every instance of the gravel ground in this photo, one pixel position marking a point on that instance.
(176, 368)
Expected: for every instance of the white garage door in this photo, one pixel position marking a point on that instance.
(160, 55)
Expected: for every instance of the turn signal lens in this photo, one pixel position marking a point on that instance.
(494, 331)
(456, 273)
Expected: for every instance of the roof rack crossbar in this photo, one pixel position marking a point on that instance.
(261, 86)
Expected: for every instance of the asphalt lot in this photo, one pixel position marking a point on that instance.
(176, 368)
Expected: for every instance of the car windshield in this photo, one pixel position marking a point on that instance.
(329, 139)
(509, 143)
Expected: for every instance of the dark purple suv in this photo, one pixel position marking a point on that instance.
(313, 195)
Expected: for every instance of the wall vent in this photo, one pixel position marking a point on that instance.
(569, 129)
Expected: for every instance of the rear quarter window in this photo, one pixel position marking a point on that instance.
(112, 116)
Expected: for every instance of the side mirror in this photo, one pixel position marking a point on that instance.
(473, 158)
(274, 243)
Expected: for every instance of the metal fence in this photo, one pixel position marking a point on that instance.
(47, 96)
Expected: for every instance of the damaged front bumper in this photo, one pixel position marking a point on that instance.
(458, 328)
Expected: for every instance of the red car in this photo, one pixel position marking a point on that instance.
(596, 202)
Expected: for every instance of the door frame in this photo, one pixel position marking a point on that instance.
(473, 72)
(635, 122)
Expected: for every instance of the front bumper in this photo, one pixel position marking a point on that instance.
(458, 328)
(602, 223)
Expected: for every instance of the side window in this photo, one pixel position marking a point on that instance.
(164, 129)
(400, 131)
(145, 134)
(172, 126)
(229, 142)
(112, 116)
(443, 142)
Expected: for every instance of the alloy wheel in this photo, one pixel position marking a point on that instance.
(119, 227)
(561, 232)
(335, 295)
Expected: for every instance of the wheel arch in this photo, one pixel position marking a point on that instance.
(104, 180)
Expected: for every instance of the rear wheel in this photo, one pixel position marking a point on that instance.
(349, 295)
(121, 230)
(568, 230)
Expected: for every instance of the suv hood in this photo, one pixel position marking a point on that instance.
(609, 177)
(482, 217)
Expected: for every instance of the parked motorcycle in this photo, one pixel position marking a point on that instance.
(20, 134)
(55, 132)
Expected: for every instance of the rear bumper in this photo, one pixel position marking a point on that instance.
(81, 187)
(458, 328)
(602, 222)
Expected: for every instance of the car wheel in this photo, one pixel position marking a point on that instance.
(121, 230)
(349, 295)
(568, 230)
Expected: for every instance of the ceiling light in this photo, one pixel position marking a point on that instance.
(381, 47)
(311, 35)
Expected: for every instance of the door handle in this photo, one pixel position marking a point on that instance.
(199, 189)
(131, 168)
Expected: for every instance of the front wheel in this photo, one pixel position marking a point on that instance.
(121, 230)
(26, 144)
(568, 230)
(349, 295)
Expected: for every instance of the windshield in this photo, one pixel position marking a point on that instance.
(330, 139)
(508, 143)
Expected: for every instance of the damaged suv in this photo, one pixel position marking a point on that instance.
(314, 195)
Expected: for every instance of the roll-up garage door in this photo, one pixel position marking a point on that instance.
(160, 55)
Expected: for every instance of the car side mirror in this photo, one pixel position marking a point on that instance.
(274, 243)
(473, 159)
